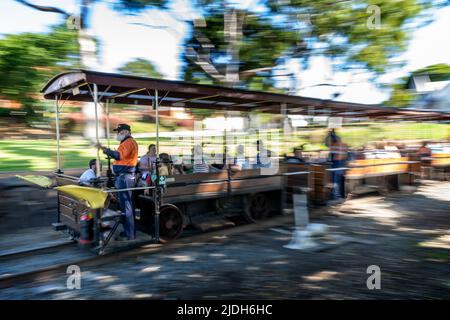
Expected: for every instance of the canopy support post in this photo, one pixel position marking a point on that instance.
(58, 154)
(109, 174)
(107, 122)
(225, 153)
(284, 179)
(95, 96)
(157, 192)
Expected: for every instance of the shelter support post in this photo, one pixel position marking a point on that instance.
(109, 172)
(283, 205)
(58, 154)
(98, 173)
(157, 191)
(225, 153)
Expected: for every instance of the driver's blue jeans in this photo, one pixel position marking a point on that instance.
(125, 181)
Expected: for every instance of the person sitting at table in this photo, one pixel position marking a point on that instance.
(166, 165)
(298, 156)
(392, 151)
(165, 168)
(90, 174)
(262, 155)
(424, 151)
(240, 161)
(217, 162)
(147, 161)
(199, 165)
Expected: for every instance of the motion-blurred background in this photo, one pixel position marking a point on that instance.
(394, 53)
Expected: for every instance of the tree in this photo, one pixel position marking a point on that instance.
(87, 47)
(299, 29)
(140, 67)
(87, 43)
(401, 96)
(223, 53)
(78, 22)
(28, 60)
(241, 49)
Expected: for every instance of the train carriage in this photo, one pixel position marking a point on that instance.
(193, 199)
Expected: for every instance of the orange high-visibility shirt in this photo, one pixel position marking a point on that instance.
(128, 150)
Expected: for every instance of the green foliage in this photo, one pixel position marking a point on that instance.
(340, 29)
(401, 96)
(140, 67)
(302, 29)
(28, 60)
(202, 113)
(18, 155)
(437, 72)
(254, 51)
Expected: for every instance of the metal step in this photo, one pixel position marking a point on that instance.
(58, 226)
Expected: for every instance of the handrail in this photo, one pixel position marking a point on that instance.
(295, 173)
(128, 189)
(380, 164)
(67, 176)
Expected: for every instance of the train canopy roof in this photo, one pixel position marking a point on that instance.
(77, 85)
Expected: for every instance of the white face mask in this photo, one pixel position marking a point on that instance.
(120, 136)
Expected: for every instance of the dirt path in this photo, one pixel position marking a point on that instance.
(407, 236)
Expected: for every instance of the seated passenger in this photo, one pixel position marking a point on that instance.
(147, 162)
(178, 169)
(199, 164)
(262, 156)
(177, 163)
(166, 166)
(424, 151)
(298, 156)
(90, 174)
(240, 162)
(392, 151)
(216, 162)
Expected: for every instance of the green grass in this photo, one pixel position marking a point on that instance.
(23, 155)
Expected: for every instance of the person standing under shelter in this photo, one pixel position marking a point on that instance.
(338, 157)
(124, 167)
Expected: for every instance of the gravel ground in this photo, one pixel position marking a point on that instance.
(406, 235)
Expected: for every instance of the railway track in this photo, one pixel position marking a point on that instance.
(14, 254)
(89, 259)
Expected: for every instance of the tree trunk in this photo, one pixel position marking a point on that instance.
(233, 21)
(88, 56)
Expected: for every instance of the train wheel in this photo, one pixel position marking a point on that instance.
(170, 223)
(257, 207)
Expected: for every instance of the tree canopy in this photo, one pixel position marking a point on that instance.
(241, 48)
(140, 67)
(346, 31)
(401, 96)
(28, 60)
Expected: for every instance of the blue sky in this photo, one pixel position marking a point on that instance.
(123, 38)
